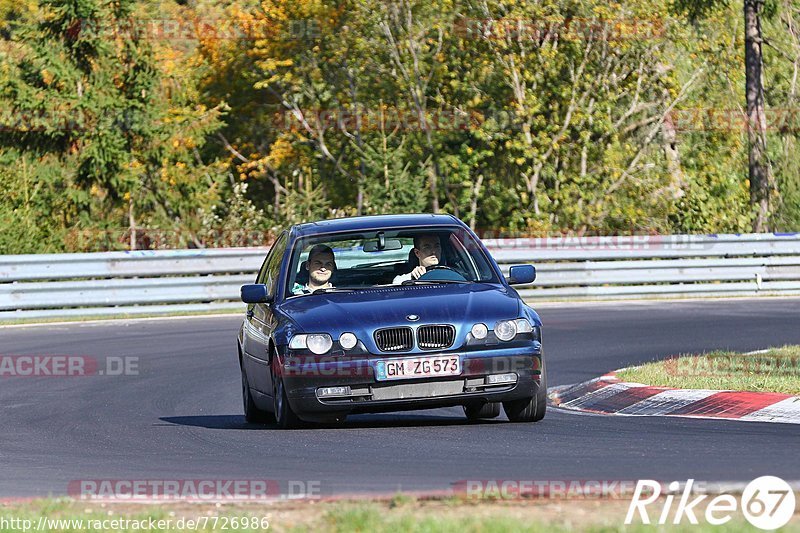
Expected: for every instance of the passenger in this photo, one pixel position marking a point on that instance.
(428, 250)
(320, 265)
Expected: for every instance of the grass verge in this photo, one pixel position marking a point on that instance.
(773, 370)
(400, 514)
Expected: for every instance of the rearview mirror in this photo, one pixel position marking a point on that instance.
(521, 274)
(388, 245)
(255, 294)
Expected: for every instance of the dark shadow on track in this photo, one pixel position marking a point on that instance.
(237, 422)
(211, 422)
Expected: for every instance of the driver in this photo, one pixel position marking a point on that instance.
(428, 250)
(321, 265)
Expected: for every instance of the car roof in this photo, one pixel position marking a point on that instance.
(374, 222)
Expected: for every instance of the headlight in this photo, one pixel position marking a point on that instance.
(318, 343)
(479, 331)
(505, 330)
(348, 341)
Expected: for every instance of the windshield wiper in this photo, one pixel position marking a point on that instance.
(331, 289)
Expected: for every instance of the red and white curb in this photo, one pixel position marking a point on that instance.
(608, 395)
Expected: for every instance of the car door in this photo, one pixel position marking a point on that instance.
(261, 322)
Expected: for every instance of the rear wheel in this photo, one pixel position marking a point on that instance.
(486, 410)
(284, 415)
(529, 409)
(252, 413)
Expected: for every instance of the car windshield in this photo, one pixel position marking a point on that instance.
(351, 261)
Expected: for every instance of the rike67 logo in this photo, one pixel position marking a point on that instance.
(767, 502)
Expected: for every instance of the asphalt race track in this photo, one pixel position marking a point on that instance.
(181, 416)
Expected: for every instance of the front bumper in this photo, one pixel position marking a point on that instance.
(305, 375)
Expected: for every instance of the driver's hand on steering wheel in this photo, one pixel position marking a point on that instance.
(418, 271)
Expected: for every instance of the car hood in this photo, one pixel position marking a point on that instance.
(362, 312)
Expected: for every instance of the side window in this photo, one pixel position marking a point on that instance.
(273, 265)
(262, 273)
(463, 261)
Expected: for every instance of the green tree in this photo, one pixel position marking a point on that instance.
(83, 87)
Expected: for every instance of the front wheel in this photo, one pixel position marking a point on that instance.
(284, 415)
(487, 410)
(252, 413)
(529, 409)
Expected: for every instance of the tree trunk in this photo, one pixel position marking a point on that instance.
(132, 224)
(473, 207)
(433, 177)
(759, 169)
(669, 143)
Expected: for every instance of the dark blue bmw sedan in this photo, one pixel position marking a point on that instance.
(388, 313)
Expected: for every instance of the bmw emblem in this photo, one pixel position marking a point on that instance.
(413, 318)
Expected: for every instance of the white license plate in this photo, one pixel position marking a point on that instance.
(418, 367)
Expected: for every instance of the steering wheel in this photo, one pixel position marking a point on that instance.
(440, 267)
(446, 274)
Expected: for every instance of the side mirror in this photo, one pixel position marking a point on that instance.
(521, 274)
(255, 294)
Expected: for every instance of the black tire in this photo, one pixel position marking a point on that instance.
(487, 410)
(252, 413)
(284, 416)
(529, 409)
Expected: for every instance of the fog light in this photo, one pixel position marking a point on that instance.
(348, 341)
(497, 379)
(479, 331)
(327, 392)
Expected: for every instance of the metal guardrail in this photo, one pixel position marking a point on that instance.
(180, 281)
